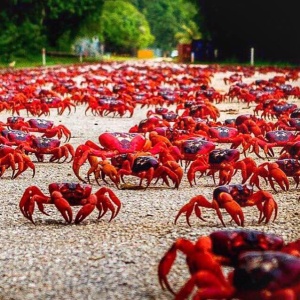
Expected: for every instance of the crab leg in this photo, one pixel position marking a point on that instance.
(194, 204)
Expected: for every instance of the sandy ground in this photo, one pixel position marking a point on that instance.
(117, 259)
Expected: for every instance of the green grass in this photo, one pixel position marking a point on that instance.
(278, 64)
(36, 61)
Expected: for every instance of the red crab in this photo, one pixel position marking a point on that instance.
(234, 78)
(157, 111)
(211, 94)
(249, 124)
(55, 102)
(242, 92)
(187, 123)
(272, 139)
(42, 146)
(65, 195)
(291, 150)
(235, 248)
(175, 136)
(120, 108)
(106, 105)
(14, 159)
(264, 106)
(142, 97)
(226, 134)
(149, 124)
(203, 110)
(283, 110)
(290, 91)
(12, 137)
(147, 167)
(39, 125)
(113, 143)
(292, 124)
(267, 275)
(274, 108)
(184, 105)
(224, 161)
(124, 142)
(33, 106)
(277, 171)
(191, 148)
(233, 197)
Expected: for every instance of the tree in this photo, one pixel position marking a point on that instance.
(20, 30)
(166, 18)
(124, 28)
(26, 26)
(65, 18)
(188, 33)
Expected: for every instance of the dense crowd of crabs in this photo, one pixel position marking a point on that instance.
(181, 136)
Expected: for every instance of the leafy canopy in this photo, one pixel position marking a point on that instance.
(124, 27)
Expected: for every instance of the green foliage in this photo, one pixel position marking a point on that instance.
(166, 18)
(20, 40)
(124, 28)
(65, 19)
(29, 25)
(188, 33)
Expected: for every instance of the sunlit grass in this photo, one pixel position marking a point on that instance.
(36, 61)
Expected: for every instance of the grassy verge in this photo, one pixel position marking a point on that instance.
(36, 61)
(50, 61)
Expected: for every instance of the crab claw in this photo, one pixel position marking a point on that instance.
(265, 204)
(81, 155)
(83, 152)
(102, 169)
(167, 261)
(31, 195)
(279, 176)
(198, 165)
(212, 286)
(24, 162)
(176, 173)
(87, 209)
(63, 152)
(270, 172)
(62, 205)
(226, 201)
(105, 203)
(9, 160)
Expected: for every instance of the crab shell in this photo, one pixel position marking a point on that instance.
(269, 271)
(123, 142)
(231, 243)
